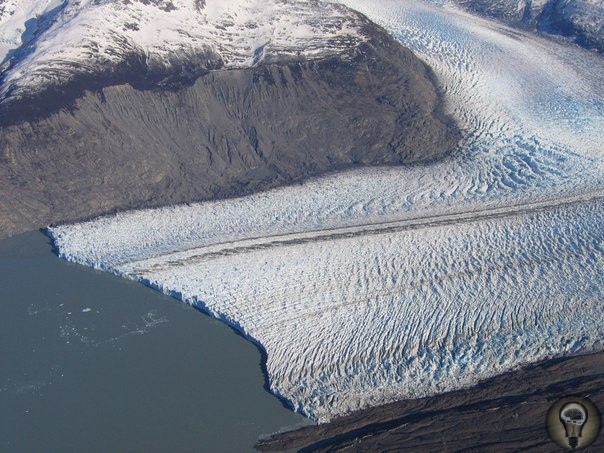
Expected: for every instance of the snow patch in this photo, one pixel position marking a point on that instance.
(89, 36)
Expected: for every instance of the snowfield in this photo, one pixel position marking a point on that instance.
(379, 284)
(47, 42)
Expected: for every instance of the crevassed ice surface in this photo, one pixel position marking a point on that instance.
(379, 284)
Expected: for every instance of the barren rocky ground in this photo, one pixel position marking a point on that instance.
(506, 413)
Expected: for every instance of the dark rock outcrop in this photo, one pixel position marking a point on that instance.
(225, 134)
(505, 413)
(581, 21)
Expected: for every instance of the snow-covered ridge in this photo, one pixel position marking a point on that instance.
(386, 283)
(17, 23)
(92, 36)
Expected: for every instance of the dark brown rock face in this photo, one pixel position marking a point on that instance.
(580, 21)
(228, 133)
(504, 414)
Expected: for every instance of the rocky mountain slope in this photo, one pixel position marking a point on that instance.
(200, 99)
(582, 21)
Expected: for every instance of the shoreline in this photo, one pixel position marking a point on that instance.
(88, 353)
(433, 422)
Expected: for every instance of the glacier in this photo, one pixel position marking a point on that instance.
(378, 284)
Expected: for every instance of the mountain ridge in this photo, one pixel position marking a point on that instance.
(227, 133)
(63, 41)
(581, 21)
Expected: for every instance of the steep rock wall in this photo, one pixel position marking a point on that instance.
(228, 133)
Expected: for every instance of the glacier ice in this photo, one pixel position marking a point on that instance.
(378, 284)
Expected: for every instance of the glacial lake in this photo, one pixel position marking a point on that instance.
(93, 362)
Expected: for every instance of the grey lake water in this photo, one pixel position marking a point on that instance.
(92, 362)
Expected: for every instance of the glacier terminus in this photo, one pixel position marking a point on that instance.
(377, 284)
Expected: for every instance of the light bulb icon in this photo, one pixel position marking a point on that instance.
(573, 417)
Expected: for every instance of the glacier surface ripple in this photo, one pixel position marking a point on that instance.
(379, 284)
